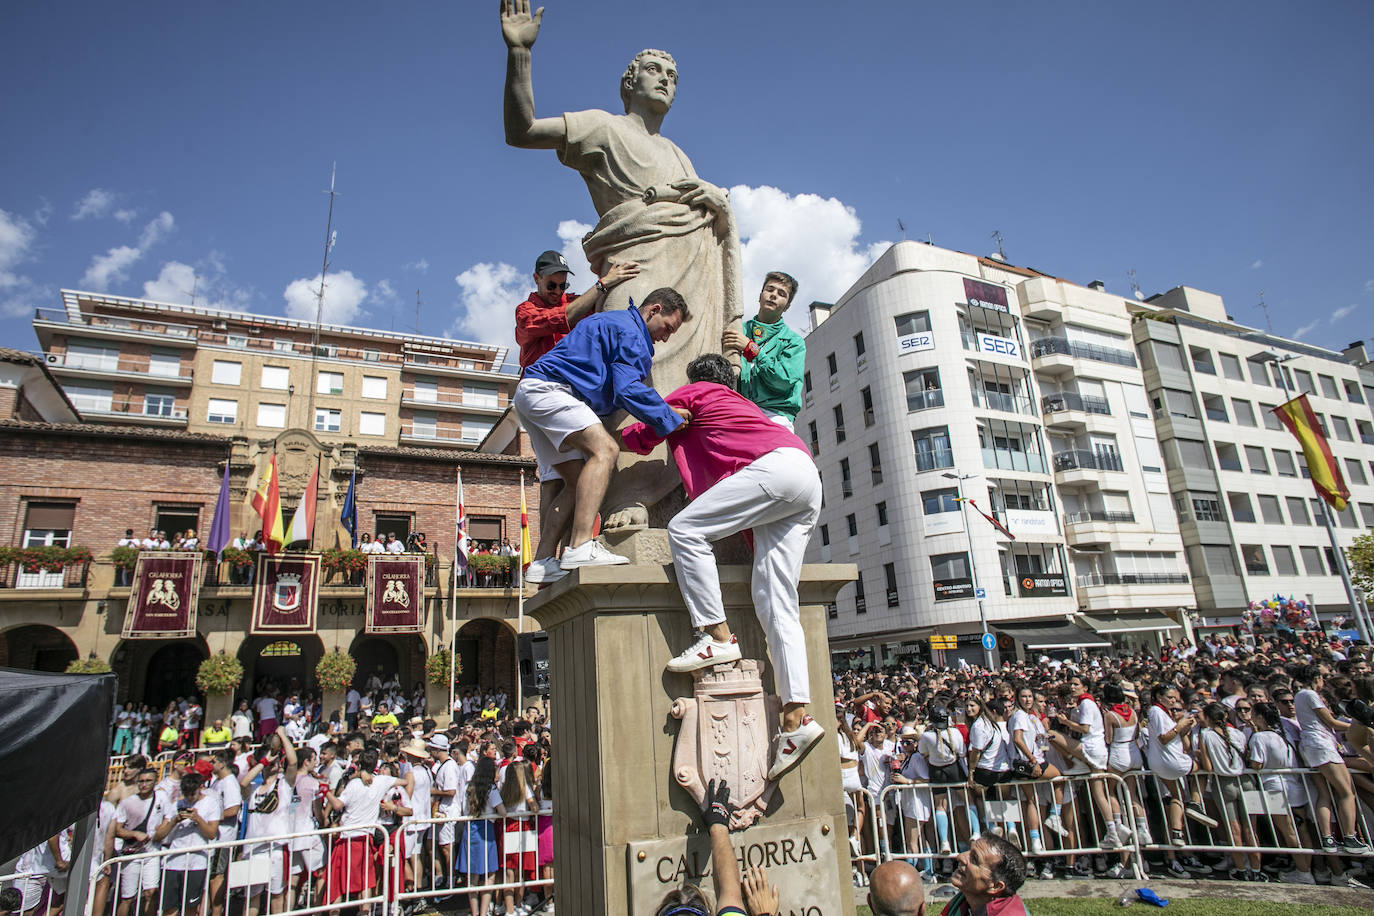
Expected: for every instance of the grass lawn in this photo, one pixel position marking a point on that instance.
(1101, 906)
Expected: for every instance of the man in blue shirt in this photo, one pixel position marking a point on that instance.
(597, 369)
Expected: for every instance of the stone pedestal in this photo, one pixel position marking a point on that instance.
(624, 831)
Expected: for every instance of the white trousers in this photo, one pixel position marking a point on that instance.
(779, 497)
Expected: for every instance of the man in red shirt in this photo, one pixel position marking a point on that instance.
(550, 312)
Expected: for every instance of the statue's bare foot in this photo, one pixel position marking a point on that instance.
(633, 517)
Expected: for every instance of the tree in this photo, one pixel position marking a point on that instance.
(1360, 556)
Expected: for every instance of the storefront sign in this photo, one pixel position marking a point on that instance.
(286, 593)
(1030, 521)
(162, 601)
(395, 593)
(986, 295)
(951, 589)
(941, 523)
(1042, 584)
(1002, 347)
(915, 343)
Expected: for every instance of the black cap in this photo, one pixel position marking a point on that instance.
(551, 262)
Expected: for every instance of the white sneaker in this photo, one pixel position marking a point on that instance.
(1297, 877)
(1109, 839)
(1142, 832)
(591, 554)
(704, 653)
(945, 849)
(793, 745)
(1037, 848)
(1123, 833)
(545, 570)
(1118, 871)
(1056, 823)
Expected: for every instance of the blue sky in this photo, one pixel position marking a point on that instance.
(155, 146)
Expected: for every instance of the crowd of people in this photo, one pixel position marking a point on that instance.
(1192, 753)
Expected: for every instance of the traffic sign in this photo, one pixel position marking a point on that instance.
(980, 592)
(944, 641)
(989, 641)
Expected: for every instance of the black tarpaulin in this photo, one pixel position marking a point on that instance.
(54, 744)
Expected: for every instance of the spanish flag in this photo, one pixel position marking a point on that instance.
(267, 503)
(526, 554)
(1297, 415)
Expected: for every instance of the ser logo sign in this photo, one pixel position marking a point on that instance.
(915, 343)
(999, 346)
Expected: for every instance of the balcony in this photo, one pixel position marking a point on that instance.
(429, 435)
(1007, 403)
(166, 333)
(14, 576)
(1072, 400)
(1084, 459)
(1008, 460)
(1098, 515)
(1062, 346)
(459, 404)
(299, 348)
(77, 366)
(132, 412)
(445, 364)
(1089, 580)
(925, 400)
(934, 460)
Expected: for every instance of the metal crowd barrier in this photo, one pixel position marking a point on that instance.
(36, 894)
(475, 845)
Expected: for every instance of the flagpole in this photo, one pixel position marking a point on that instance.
(520, 607)
(453, 592)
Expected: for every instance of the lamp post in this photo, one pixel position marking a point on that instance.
(972, 566)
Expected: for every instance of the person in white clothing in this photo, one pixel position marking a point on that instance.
(352, 867)
(241, 721)
(447, 789)
(188, 826)
(1168, 753)
(1086, 722)
(1321, 751)
(943, 747)
(416, 759)
(1270, 750)
(225, 786)
(136, 817)
(1030, 740)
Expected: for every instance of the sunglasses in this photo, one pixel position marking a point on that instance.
(551, 285)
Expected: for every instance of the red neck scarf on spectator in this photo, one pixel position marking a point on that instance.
(1085, 696)
(1122, 710)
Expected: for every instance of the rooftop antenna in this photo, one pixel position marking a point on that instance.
(901, 228)
(1135, 287)
(417, 311)
(1265, 307)
(998, 236)
(330, 237)
(930, 239)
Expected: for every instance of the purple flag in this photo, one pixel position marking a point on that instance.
(219, 528)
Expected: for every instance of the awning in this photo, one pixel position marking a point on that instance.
(1130, 623)
(1062, 636)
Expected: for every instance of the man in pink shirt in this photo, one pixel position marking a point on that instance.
(742, 472)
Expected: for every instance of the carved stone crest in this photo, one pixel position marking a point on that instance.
(726, 733)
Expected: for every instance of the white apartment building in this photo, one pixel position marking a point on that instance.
(1250, 518)
(939, 373)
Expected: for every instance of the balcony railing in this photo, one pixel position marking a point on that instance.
(462, 401)
(1065, 347)
(1097, 515)
(440, 361)
(13, 575)
(1072, 400)
(113, 367)
(298, 348)
(1090, 579)
(924, 400)
(124, 409)
(934, 459)
(132, 325)
(1082, 458)
(411, 431)
(1010, 460)
(996, 400)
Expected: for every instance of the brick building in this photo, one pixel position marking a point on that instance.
(69, 483)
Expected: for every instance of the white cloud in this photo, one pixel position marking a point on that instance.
(814, 238)
(205, 284)
(109, 268)
(18, 293)
(487, 297)
(96, 203)
(1259, 262)
(344, 295)
(421, 266)
(126, 216)
(43, 213)
(1340, 313)
(384, 294)
(1306, 329)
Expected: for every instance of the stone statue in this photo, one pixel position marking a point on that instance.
(653, 210)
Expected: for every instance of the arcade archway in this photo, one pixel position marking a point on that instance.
(158, 671)
(37, 648)
(486, 649)
(285, 662)
(379, 657)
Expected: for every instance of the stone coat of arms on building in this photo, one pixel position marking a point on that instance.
(726, 733)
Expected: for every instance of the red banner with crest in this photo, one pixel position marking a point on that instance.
(162, 600)
(395, 593)
(286, 593)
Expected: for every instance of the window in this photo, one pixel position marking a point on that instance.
(1202, 360)
(851, 522)
(890, 575)
(1241, 510)
(237, 341)
(1341, 426)
(832, 611)
(327, 421)
(1271, 420)
(832, 365)
(1304, 380)
(912, 323)
(1192, 453)
(1283, 560)
(846, 483)
(374, 386)
(166, 363)
(1180, 403)
(1255, 562)
(1329, 388)
(1352, 391)
(950, 575)
(1312, 561)
(1269, 509)
(276, 377)
(923, 389)
(426, 389)
(1367, 513)
(394, 523)
(1347, 516)
(330, 383)
(1230, 366)
(839, 423)
(1228, 459)
(102, 357)
(372, 355)
(475, 430)
(1259, 371)
(223, 372)
(881, 510)
(272, 415)
(478, 394)
(90, 398)
(1355, 472)
(424, 425)
(825, 535)
(222, 411)
(282, 345)
(937, 501)
(1297, 510)
(158, 403)
(1167, 355)
(48, 524)
(371, 424)
(1283, 463)
(1220, 560)
(932, 448)
(867, 397)
(1214, 405)
(1207, 508)
(858, 346)
(815, 440)
(806, 382)
(860, 603)
(875, 463)
(1245, 414)
(1254, 456)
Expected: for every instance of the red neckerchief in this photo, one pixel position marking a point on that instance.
(1085, 696)
(1122, 710)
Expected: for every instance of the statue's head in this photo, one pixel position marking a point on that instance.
(644, 74)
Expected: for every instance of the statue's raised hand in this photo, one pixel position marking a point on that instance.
(518, 27)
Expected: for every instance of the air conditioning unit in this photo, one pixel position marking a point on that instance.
(221, 325)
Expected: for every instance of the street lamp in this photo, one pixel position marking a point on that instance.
(972, 566)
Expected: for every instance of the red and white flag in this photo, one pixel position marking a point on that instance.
(461, 556)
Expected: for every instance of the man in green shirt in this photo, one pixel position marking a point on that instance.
(773, 355)
(217, 736)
